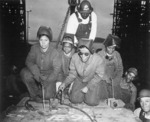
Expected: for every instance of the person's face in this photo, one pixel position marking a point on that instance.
(110, 49)
(67, 47)
(130, 77)
(84, 15)
(84, 54)
(44, 42)
(145, 104)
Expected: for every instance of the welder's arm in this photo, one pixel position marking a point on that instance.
(72, 73)
(99, 73)
(119, 70)
(56, 69)
(72, 26)
(31, 64)
(133, 94)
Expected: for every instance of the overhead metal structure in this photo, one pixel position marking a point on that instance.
(131, 22)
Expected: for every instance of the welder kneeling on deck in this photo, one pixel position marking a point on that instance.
(42, 66)
(86, 73)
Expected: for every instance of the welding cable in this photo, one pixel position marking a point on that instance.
(60, 96)
(43, 97)
(92, 120)
(29, 106)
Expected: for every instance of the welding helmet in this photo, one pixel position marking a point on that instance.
(43, 30)
(85, 7)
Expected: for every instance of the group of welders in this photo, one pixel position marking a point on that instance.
(86, 75)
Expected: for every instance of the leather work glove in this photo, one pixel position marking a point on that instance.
(62, 87)
(42, 80)
(84, 89)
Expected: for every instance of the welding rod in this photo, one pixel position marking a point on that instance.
(113, 93)
(43, 97)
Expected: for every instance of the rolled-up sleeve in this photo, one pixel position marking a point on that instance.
(72, 24)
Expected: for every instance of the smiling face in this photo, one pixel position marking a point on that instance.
(145, 104)
(85, 10)
(44, 42)
(110, 49)
(130, 77)
(84, 54)
(67, 47)
(85, 15)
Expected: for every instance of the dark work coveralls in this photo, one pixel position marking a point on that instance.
(45, 64)
(83, 30)
(89, 75)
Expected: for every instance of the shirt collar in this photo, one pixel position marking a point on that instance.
(68, 55)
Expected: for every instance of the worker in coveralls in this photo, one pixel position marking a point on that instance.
(143, 112)
(83, 23)
(65, 56)
(113, 65)
(42, 66)
(86, 73)
(128, 89)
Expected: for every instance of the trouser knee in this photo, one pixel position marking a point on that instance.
(76, 95)
(92, 97)
(76, 98)
(91, 102)
(26, 75)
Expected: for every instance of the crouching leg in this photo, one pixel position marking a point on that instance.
(50, 90)
(97, 92)
(76, 95)
(30, 83)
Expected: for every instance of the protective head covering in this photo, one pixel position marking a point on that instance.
(69, 38)
(85, 7)
(112, 40)
(133, 70)
(88, 43)
(43, 30)
(144, 93)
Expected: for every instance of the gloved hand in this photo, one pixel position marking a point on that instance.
(37, 78)
(109, 80)
(43, 80)
(84, 89)
(62, 87)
